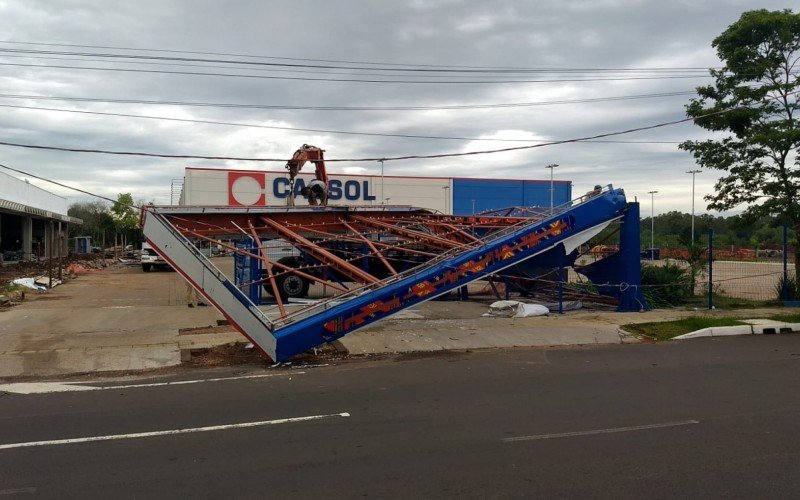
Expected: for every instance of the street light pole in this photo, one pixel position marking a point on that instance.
(383, 200)
(652, 223)
(552, 167)
(693, 172)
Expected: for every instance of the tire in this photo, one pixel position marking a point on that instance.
(292, 286)
(147, 267)
(289, 285)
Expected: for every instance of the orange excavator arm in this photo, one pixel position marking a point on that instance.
(304, 154)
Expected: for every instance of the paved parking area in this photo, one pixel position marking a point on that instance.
(114, 319)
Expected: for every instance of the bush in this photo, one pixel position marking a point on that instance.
(791, 288)
(666, 285)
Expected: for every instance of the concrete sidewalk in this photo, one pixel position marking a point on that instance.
(124, 319)
(115, 319)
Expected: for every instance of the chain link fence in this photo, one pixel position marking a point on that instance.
(747, 274)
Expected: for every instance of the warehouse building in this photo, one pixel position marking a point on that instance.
(451, 195)
(33, 221)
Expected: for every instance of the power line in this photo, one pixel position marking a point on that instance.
(347, 80)
(228, 54)
(351, 108)
(62, 185)
(374, 159)
(109, 55)
(346, 72)
(275, 127)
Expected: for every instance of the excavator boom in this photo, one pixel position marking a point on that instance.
(304, 154)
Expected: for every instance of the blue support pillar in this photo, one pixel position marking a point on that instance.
(561, 280)
(631, 298)
(247, 270)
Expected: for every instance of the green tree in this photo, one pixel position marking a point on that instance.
(126, 218)
(97, 221)
(754, 97)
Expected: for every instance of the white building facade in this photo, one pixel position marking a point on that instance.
(461, 196)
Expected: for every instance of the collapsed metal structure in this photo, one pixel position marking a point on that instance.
(378, 260)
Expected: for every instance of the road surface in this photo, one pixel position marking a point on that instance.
(709, 417)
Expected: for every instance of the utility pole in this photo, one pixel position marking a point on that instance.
(473, 206)
(383, 200)
(552, 167)
(446, 198)
(693, 172)
(652, 222)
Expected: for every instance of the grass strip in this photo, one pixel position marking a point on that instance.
(665, 330)
(786, 318)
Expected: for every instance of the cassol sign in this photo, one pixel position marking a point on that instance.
(251, 188)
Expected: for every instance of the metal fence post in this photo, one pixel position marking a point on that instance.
(785, 263)
(560, 283)
(711, 268)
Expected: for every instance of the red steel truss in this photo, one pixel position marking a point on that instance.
(342, 247)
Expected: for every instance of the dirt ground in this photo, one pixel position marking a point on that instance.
(740, 279)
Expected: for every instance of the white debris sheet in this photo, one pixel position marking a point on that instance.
(29, 283)
(515, 309)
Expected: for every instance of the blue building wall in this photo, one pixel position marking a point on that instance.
(493, 194)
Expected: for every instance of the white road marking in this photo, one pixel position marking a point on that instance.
(49, 387)
(170, 432)
(17, 491)
(599, 431)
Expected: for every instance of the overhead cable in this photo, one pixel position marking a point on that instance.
(275, 127)
(349, 80)
(73, 188)
(373, 159)
(351, 108)
(372, 63)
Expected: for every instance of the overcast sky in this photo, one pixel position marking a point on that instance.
(560, 36)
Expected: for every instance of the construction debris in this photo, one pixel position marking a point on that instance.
(515, 309)
(46, 282)
(28, 283)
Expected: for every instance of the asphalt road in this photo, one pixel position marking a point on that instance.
(711, 418)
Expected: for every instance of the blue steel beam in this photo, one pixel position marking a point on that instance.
(336, 319)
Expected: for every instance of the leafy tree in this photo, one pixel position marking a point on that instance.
(97, 221)
(753, 101)
(126, 218)
(124, 214)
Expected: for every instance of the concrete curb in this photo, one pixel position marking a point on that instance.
(724, 331)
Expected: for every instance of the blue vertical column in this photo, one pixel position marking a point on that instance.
(561, 254)
(631, 298)
(247, 270)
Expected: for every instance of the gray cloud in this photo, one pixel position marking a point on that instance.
(552, 34)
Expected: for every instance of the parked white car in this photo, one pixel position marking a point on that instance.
(150, 259)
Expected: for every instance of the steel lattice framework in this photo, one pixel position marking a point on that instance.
(377, 260)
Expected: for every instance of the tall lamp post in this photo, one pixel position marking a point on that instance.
(552, 167)
(693, 172)
(446, 198)
(652, 223)
(383, 200)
